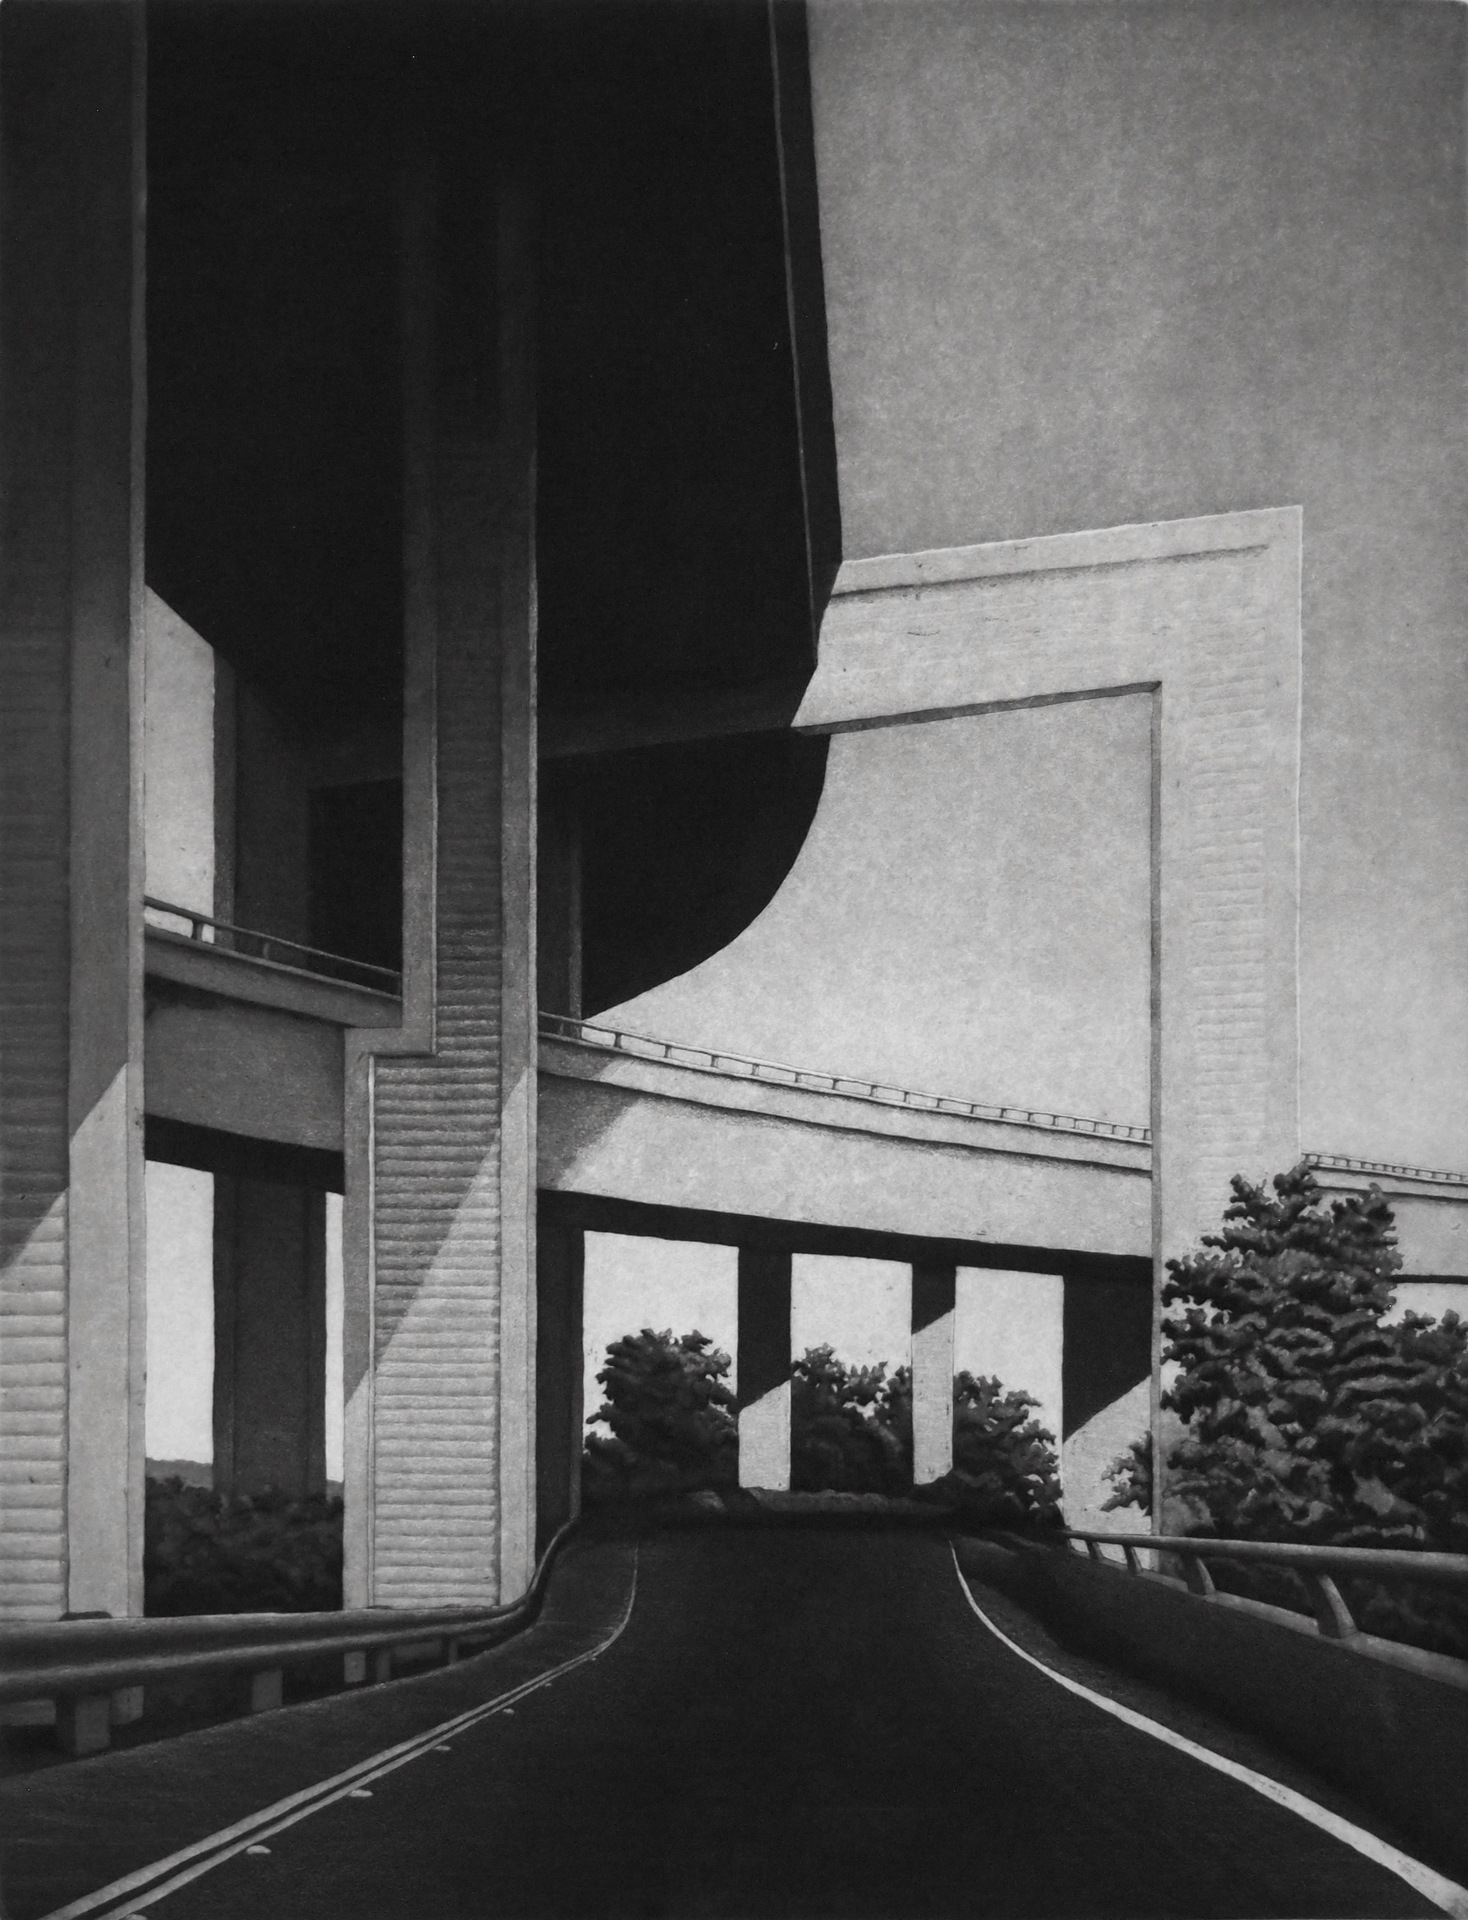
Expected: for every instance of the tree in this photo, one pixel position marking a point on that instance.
(1005, 1470)
(206, 1551)
(851, 1430)
(850, 1427)
(1306, 1416)
(671, 1417)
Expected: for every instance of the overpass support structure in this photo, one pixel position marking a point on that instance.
(71, 938)
(433, 1115)
(439, 1218)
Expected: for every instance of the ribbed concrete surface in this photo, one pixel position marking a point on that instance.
(436, 1148)
(35, 660)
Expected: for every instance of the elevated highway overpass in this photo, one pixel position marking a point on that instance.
(661, 1124)
(646, 1137)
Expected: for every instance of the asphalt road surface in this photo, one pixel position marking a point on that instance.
(739, 1722)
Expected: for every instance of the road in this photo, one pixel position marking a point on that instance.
(739, 1722)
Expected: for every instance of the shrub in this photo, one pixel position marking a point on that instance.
(1305, 1415)
(673, 1430)
(851, 1430)
(1298, 1412)
(1005, 1469)
(850, 1427)
(208, 1552)
(671, 1418)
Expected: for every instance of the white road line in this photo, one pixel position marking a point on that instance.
(1443, 1892)
(202, 1856)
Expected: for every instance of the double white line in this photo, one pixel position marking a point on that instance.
(145, 1887)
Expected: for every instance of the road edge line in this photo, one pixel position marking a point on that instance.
(1434, 1886)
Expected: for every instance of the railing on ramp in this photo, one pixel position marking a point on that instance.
(1317, 1567)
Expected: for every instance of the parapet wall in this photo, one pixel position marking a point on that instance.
(1396, 1739)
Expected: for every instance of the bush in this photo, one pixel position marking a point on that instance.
(1005, 1469)
(671, 1418)
(208, 1552)
(673, 1430)
(851, 1430)
(1297, 1413)
(850, 1427)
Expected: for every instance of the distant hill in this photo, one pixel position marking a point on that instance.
(200, 1473)
(193, 1473)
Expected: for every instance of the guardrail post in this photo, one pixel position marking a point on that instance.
(382, 1664)
(354, 1668)
(267, 1689)
(84, 1723)
(127, 1705)
(1332, 1615)
(1196, 1573)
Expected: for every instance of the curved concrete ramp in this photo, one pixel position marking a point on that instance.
(658, 1133)
(969, 915)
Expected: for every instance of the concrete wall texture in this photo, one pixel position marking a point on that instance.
(1099, 264)
(71, 1163)
(968, 916)
(178, 760)
(1393, 1737)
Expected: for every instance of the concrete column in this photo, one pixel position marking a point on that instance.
(1106, 1378)
(933, 1296)
(764, 1369)
(71, 603)
(439, 1225)
(269, 1336)
(560, 1261)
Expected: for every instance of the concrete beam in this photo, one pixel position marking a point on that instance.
(660, 1134)
(224, 975)
(244, 1069)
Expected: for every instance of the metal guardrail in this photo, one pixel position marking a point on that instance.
(247, 943)
(1314, 1565)
(741, 1066)
(1342, 1163)
(81, 1664)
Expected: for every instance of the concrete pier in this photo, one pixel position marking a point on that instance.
(764, 1369)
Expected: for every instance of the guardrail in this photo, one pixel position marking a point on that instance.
(1343, 1163)
(1315, 1566)
(266, 949)
(558, 1026)
(81, 1665)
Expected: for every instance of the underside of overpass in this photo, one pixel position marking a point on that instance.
(332, 277)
